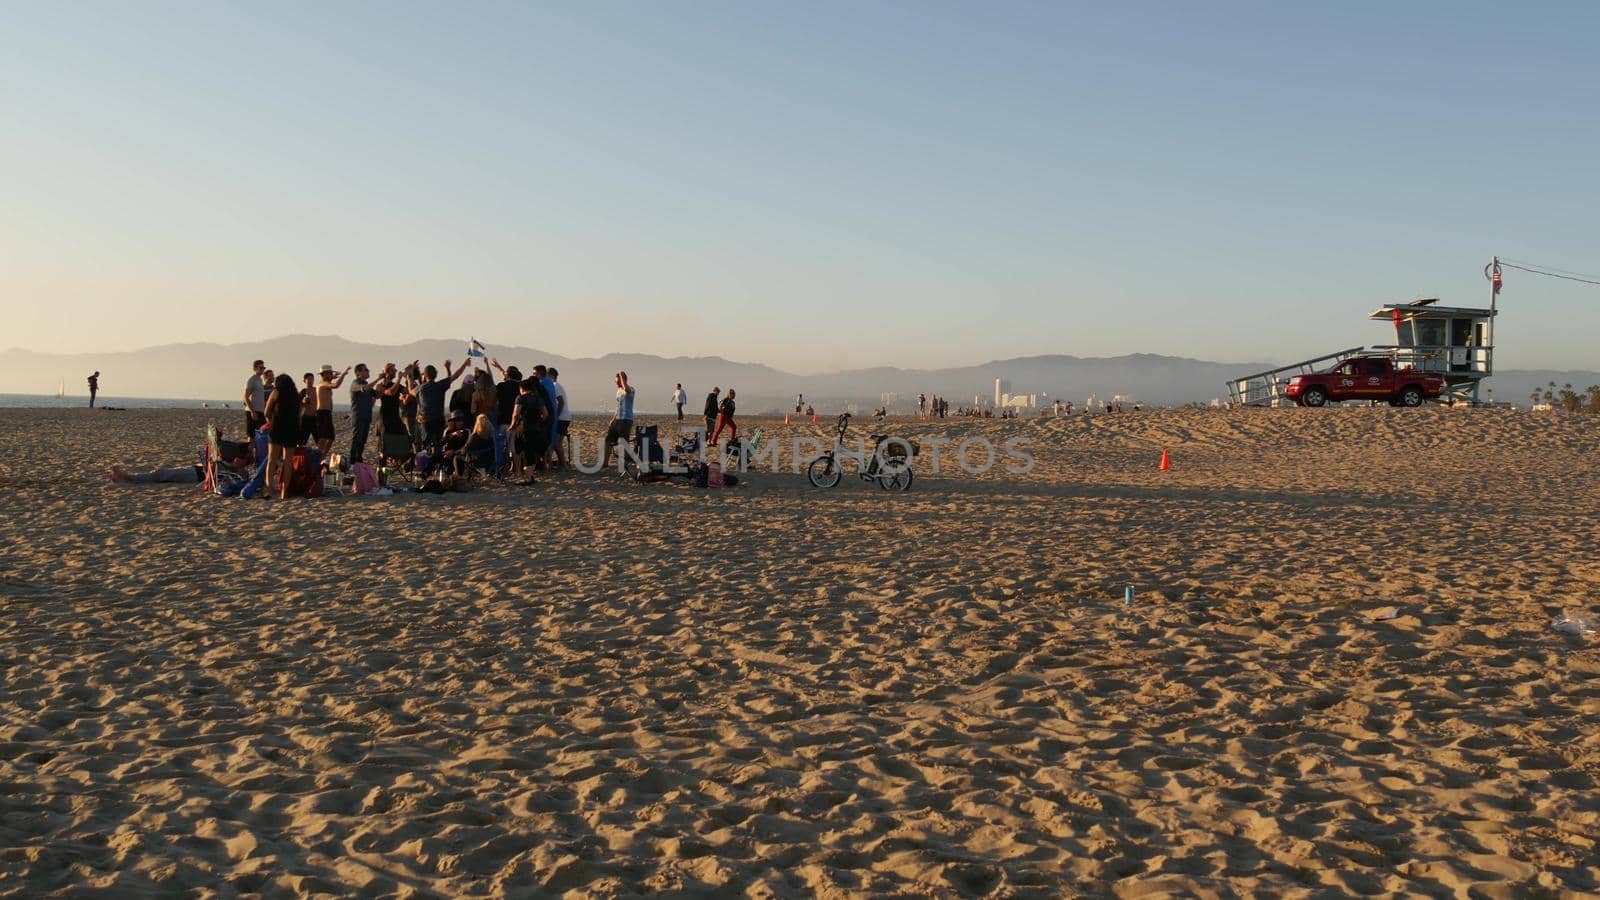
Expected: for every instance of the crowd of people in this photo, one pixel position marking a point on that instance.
(458, 418)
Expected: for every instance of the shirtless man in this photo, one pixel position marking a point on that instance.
(325, 389)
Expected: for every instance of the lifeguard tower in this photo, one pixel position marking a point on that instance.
(1456, 342)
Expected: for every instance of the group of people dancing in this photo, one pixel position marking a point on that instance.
(417, 413)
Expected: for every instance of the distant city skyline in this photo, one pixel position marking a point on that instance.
(816, 187)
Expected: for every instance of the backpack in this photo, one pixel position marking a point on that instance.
(305, 473)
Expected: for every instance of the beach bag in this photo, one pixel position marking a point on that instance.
(305, 473)
(364, 478)
(714, 474)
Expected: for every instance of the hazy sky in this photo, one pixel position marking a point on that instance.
(811, 185)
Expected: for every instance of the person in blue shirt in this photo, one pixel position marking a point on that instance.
(621, 426)
(542, 372)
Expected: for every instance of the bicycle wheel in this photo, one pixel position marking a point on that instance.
(824, 471)
(895, 478)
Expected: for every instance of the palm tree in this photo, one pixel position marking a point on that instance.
(1593, 393)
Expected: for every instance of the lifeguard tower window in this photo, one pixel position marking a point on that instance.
(1423, 333)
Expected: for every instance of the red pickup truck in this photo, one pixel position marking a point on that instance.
(1366, 378)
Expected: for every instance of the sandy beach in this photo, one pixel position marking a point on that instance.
(595, 688)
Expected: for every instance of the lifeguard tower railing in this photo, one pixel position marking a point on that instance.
(1266, 388)
(1463, 368)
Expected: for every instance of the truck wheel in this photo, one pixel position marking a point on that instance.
(1315, 396)
(1411, 396)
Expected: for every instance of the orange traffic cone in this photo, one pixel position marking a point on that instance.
(1166, 463)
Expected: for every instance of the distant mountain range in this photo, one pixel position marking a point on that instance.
(217, 372)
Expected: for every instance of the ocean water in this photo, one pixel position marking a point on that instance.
(47, 401)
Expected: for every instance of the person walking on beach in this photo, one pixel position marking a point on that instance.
(679, 398)
(621, 426)
(711, 410)
(361, 397)
(799, 401)
(325, 389)
(564, 418)
(94, 388)
(255, 399)
(725, 420)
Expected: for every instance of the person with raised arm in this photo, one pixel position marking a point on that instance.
(431, 396)
(324, 423)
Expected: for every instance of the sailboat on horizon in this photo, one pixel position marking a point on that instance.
(61, 392)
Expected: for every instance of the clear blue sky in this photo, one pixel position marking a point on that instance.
(812, 185)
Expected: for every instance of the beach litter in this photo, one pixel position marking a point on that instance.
(1387, 613)
(1576, 624)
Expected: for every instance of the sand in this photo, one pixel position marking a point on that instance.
(596, 688)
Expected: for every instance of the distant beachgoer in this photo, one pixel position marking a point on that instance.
(283, 431)
(255, 399)
(324, 424)
(564, 419)
(94, 388)
(679, 398)
(191, 474)
(712, 400)
(621, 426)
(725, 419)
(411, 403)
(799, 402)
(361, 397)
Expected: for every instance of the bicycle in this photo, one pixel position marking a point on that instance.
(889, 463)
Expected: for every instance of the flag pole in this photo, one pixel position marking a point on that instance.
(1494, 297)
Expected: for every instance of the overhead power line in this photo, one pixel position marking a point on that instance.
(1550, 273)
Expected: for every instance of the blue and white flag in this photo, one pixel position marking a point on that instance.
(476, 348)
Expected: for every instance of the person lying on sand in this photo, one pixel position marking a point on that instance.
(171, 475)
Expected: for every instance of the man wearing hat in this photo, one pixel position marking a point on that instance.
(456, 434)
(326, 385)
